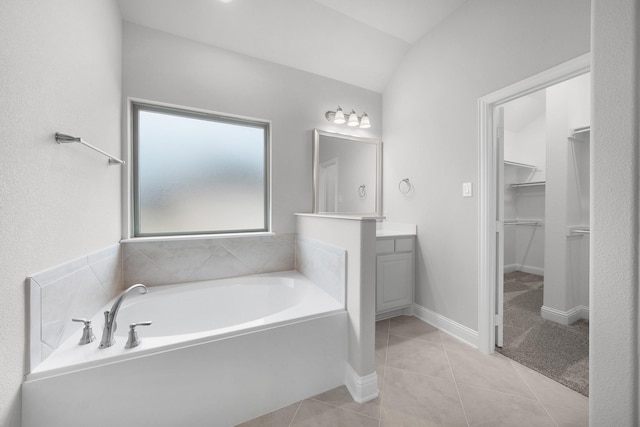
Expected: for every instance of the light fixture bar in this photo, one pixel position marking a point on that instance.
(352, 120)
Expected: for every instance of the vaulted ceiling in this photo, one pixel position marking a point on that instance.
(360, 42)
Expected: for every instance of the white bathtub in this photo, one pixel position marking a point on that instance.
(218, 353)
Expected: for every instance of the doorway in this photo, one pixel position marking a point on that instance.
(491, 255)
(543, 190)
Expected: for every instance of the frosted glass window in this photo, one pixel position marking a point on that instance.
(196, 173)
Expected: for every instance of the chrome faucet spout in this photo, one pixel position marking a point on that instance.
(110, 324)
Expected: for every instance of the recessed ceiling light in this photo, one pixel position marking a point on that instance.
(225, 1)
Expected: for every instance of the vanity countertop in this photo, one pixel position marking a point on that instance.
(393, 233)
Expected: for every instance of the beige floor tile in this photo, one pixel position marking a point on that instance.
(382, 326)
(492, 372)
(341, 398)
(569, 413)
(452, 343)
(316, 414)
(545, 389)
(412, 327)
(414, 355)
(417, 366)
(490, 408)
(382, 335)
(280, 418)
(567, 407)
(381, 355)
(415, 400)
(380, 370)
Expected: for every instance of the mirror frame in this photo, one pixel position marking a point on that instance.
(317, 133)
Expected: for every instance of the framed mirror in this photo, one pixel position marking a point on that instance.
(347, 174)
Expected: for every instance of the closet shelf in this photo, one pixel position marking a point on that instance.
(526, 184)
(520, 165)
(530, 222)
(579, 230)
(585, 130)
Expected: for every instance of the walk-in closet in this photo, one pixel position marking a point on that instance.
(545, 202)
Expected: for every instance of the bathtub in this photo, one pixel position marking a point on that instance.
(218, 353)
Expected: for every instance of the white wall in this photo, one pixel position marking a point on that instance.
(431, 129)
(524, 143)
(614, 376)
(161, 67)
(60, 72)
(565, 257)
(527, 144)
(358, 237)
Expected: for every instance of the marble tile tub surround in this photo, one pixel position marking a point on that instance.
(78, 288)
(323, 264)
(187, 260)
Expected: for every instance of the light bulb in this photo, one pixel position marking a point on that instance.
(364, 121)
(339, 117)
(353, 119)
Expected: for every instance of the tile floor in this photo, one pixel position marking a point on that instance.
(428, 378)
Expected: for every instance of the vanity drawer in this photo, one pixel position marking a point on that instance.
(384, 245)
(404, 245)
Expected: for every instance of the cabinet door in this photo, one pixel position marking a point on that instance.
(394, 286)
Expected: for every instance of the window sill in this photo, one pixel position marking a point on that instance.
(196, 237)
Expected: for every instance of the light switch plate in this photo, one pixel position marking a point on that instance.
(467, 189)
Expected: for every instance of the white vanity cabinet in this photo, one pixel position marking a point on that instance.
(395, 272)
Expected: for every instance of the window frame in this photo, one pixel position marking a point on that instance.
(136, 106)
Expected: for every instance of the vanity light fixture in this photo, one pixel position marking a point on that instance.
(338, 117)
(352, 119)
(364, 121)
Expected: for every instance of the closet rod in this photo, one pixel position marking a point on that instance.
(526, 184)
(523, 222)
(522, 165)
(579, 231)
(62, 138)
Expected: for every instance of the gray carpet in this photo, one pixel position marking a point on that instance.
(556, 351)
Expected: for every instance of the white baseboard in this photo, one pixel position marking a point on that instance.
(531, 270)
(510, 268)
(565, 317)
(524, 268)
(362, 389)
(406, 311)
(447, 325)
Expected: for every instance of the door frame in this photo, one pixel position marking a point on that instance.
(487, 186)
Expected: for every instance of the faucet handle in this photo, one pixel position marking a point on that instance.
(145, 323)
(134, 340)
(87, 332)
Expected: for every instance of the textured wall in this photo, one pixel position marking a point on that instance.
(60, 72)
(564, 195)
(614, 334)
(431, 129)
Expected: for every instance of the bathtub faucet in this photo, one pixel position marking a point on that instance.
(110, 324)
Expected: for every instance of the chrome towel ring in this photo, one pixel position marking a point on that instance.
(404, 186)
